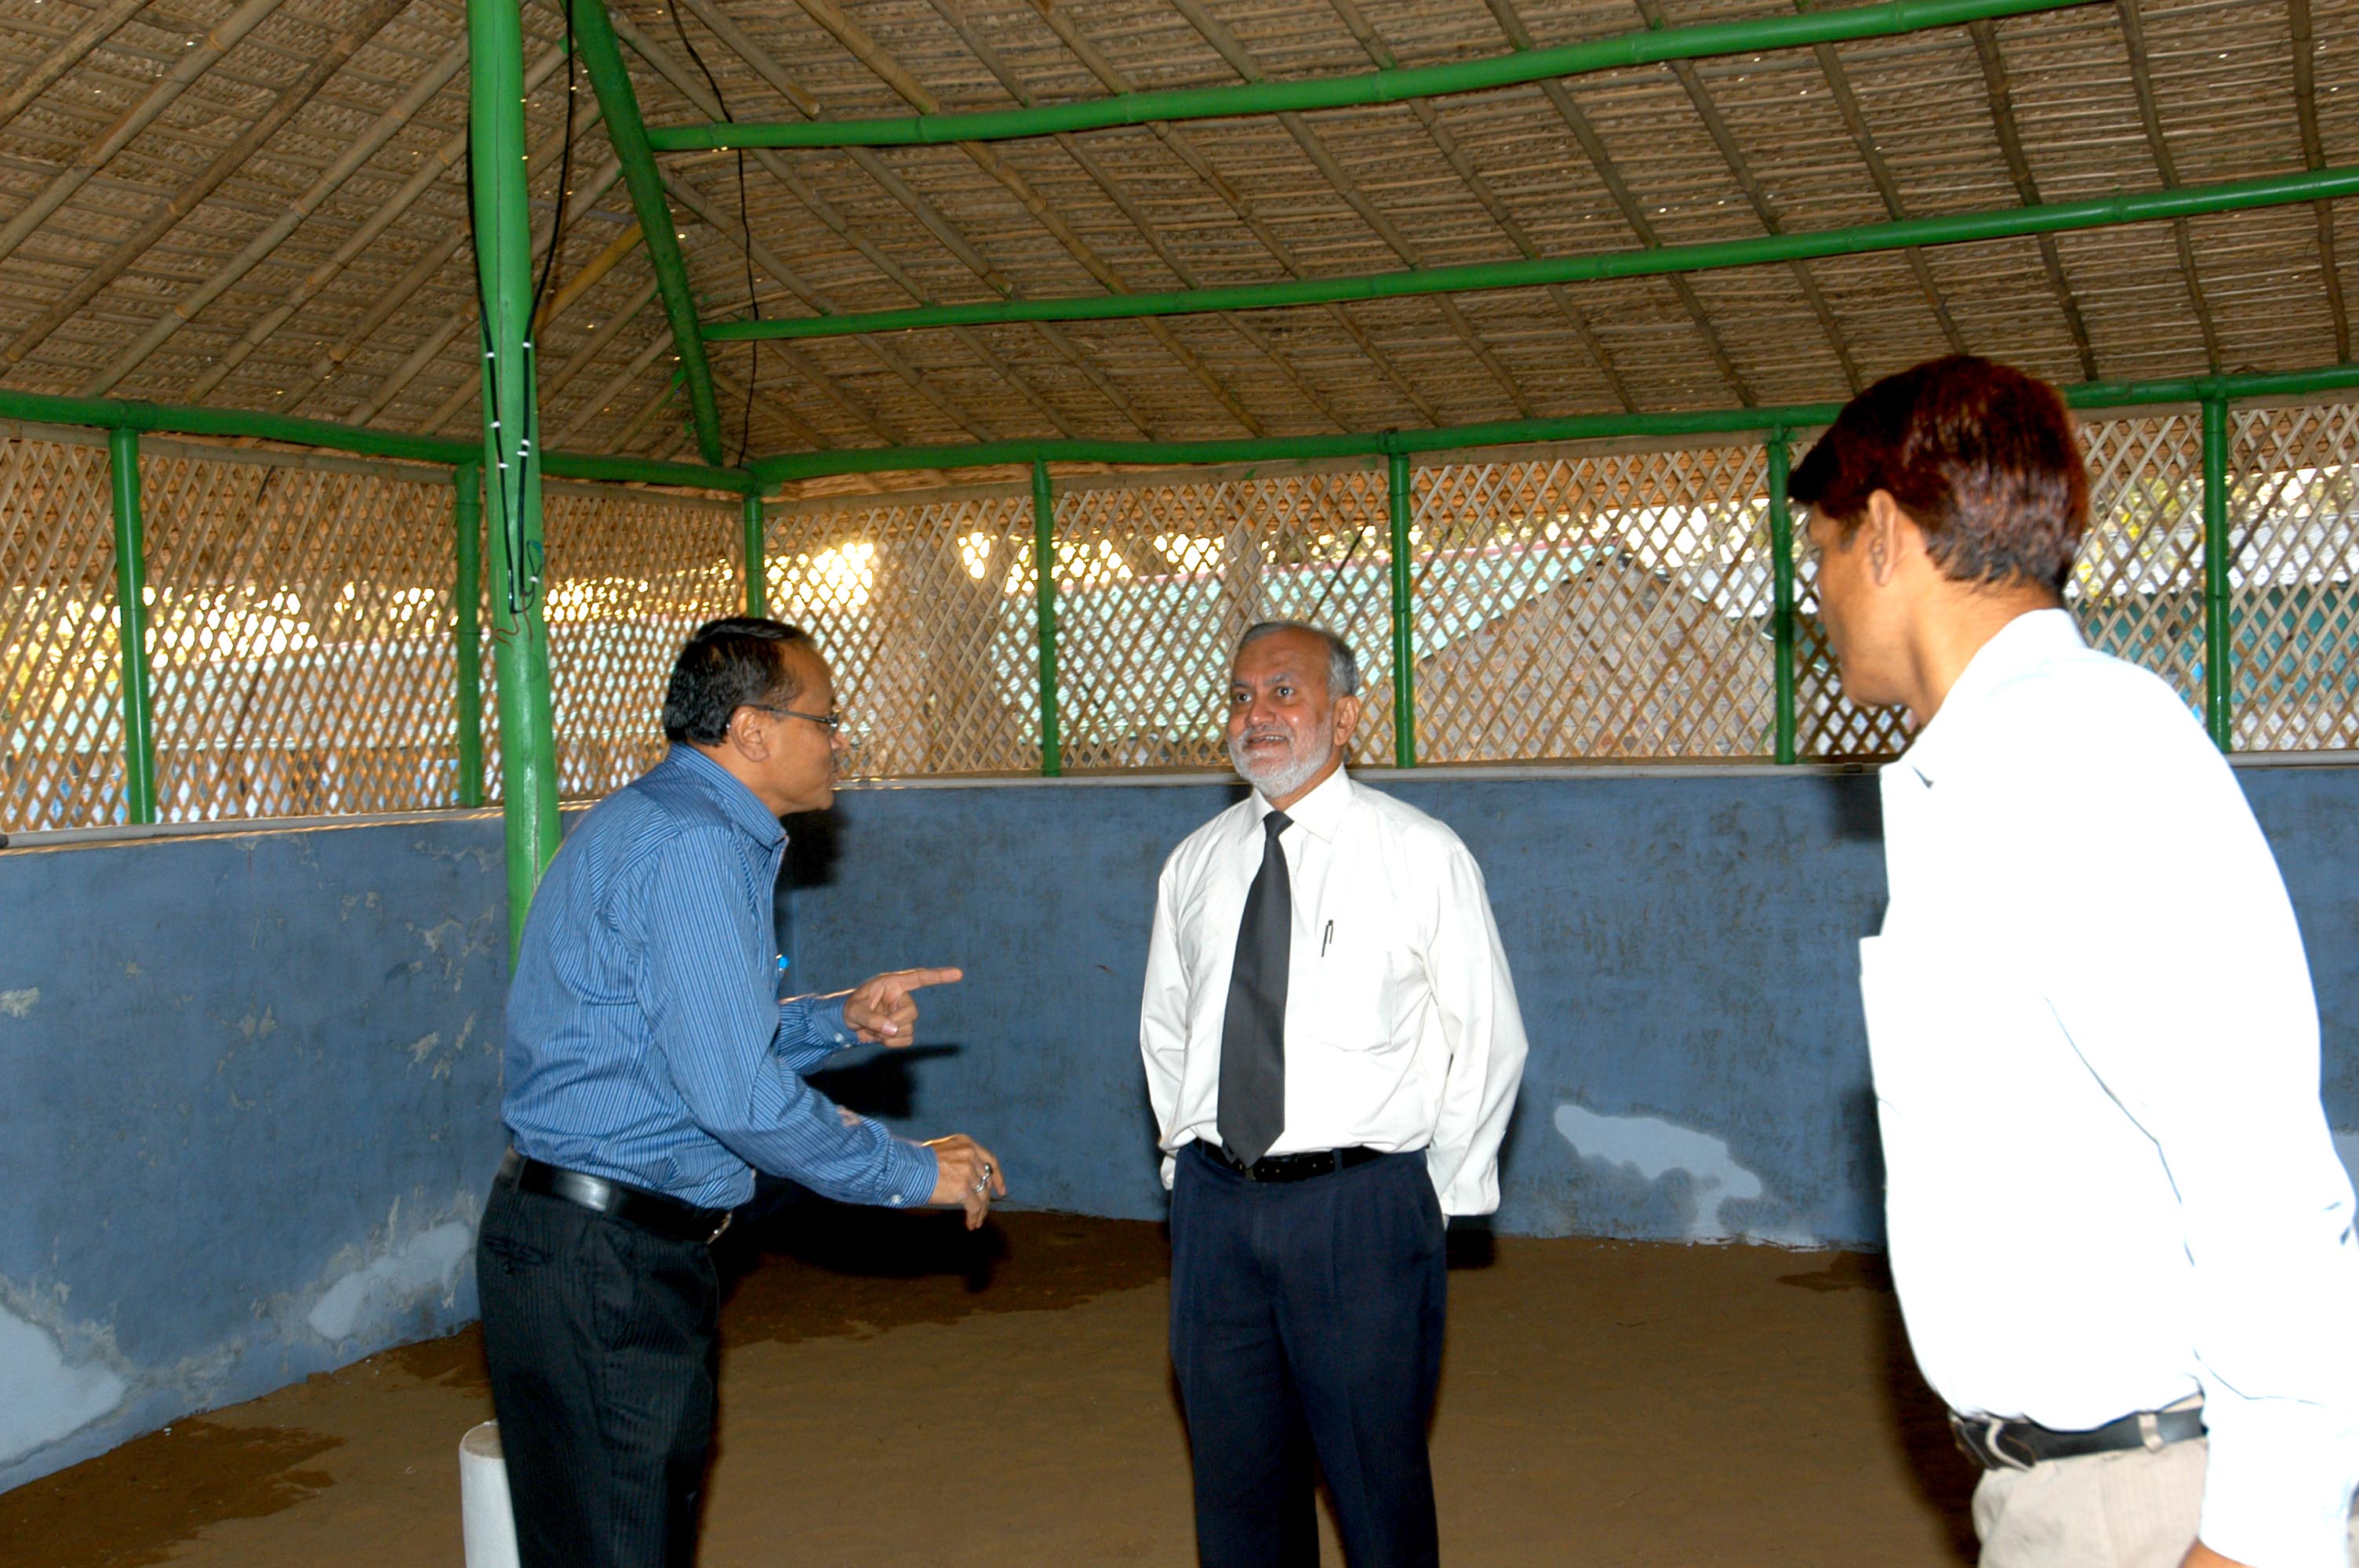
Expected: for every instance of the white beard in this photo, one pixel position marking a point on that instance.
(1275, 780)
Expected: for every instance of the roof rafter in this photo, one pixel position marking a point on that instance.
(870, 53)
(2313, 153)
(1074, 149)
(2001, 92)
(258, 250)
(759, 61)
(1241, 60)
(1871, 157)
(2150, 112)
(1763, 210)
(1593, 146)
(103, 25)
(166, 215)
(1180, 145)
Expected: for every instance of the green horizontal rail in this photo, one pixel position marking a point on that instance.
(2010, 222)
(1623, 49)
(774, 470)
(171, 420)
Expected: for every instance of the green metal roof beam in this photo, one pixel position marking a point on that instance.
(593, 36)
(1641, 48)
(775, 471)
(170, 419)
(2011, 223)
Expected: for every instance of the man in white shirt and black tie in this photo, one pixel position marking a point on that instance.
(1332, 1048)
(2121, 1236)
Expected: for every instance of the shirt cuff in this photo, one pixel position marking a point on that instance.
(911, 1178)
(2279, 1499)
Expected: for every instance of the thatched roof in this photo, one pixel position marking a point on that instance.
(258, 204)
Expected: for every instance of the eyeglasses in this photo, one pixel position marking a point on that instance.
(834, 721)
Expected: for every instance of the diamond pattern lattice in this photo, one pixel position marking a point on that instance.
(2137, 585)
(61, 661)
(1157, 582)
(2294, 517)
(925, 614)
(1597, 606)
(299, 640)
(627, 581)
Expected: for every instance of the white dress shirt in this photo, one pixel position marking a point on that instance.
(1401, 1026)
(2109, 1182)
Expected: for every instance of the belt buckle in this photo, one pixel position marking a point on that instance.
(727, 1216)
(1984, 1441)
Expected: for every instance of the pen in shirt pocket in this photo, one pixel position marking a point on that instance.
(1326, 939)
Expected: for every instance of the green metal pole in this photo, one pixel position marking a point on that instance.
(1399, 494)
(1643, 47)
(788, 467)
(1957, 228)
(511, 443)
(131, 625)
(2219, 687)
(1044, 603)
(757, 565)
(467, 600)
(1781, 578)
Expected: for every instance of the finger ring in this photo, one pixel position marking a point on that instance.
(980, 1188)
(986, 1167)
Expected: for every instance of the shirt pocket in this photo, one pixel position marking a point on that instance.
(1349, 1000)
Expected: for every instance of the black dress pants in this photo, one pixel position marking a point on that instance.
(1306, 1324)
(604, 1354)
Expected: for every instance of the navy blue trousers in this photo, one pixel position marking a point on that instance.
(1306, 1326)
(604, 1353)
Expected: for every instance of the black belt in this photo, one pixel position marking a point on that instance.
(1293, 1167)
(1996, 1444)
(648, 1211)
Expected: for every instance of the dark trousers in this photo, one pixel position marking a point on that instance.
(603, 1355)
(1306, 1323)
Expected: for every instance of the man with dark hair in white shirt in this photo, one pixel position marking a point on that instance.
(2121, 1235)
(1332, 1048)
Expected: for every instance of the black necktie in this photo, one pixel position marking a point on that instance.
(1253, 1032)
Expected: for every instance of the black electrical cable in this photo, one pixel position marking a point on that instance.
(744, 227)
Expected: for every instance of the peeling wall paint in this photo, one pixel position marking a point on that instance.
(248, 1125)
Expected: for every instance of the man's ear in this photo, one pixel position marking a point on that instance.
(1891, 533)
(744, 736)
(1347, 719)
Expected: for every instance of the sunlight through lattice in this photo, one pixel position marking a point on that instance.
(61, 662)
(2294, 518)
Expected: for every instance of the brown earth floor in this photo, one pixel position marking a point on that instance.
(895, 1391)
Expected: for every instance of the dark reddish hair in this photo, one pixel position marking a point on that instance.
(1979, 456)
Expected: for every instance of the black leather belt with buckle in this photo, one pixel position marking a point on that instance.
(1293, 1167)
(648, 1211)
(1996, 1444)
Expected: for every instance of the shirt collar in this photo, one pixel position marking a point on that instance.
(2029, 640)
(737, 803)
(1319, 813)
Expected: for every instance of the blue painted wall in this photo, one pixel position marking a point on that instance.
(248, 1082)
(249, 1095)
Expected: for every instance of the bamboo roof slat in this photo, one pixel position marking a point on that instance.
(35, 80)
(2314, 152)
(2149, 115)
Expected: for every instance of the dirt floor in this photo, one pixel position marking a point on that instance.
(897, 1391)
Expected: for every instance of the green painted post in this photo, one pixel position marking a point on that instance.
(131, 626)
(1044, 600)
(1397, 483)
(1781, 578)
(467, 600)
(511, 445)
(757, 562)
(2219, 687)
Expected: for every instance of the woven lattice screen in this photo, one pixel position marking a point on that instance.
(1607, 606)
(299, 640)
(60, 663)
(925, 614)
(2294, 520)
(627, 581)
(1156, 583)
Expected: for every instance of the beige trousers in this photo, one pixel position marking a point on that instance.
(2132, 1509)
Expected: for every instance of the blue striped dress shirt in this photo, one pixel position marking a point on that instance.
(645, 1040)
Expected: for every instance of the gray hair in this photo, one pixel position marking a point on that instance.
(1343, 664)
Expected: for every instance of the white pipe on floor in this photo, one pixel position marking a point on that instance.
(485, 1521)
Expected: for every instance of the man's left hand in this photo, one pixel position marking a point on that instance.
(880, 1010)
(2202, 1556)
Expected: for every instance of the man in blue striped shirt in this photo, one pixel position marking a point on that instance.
(650, 1070)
